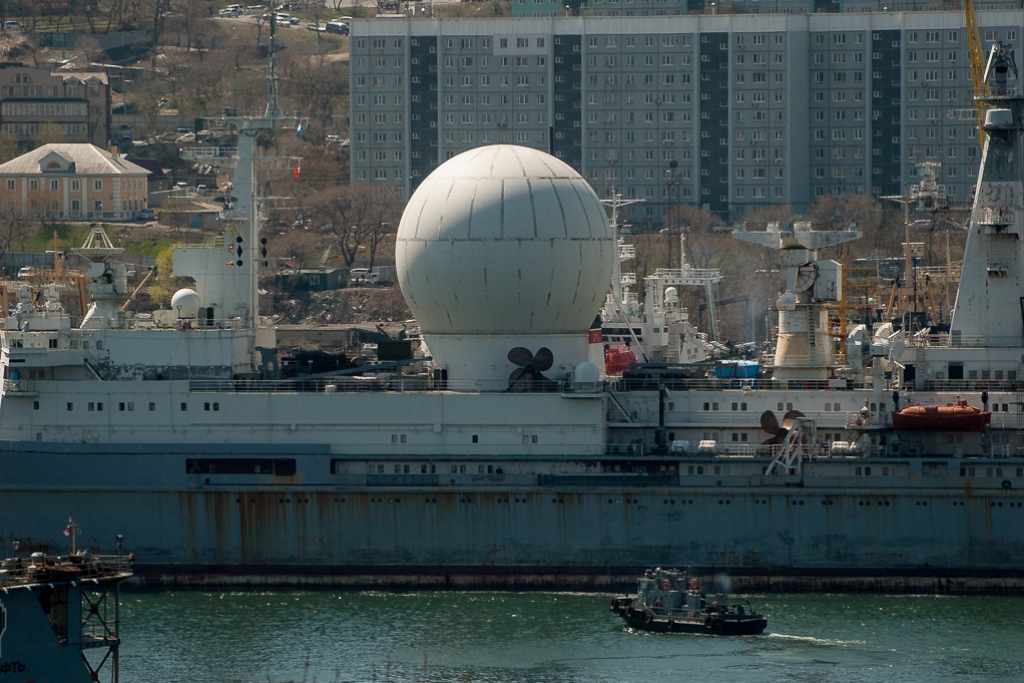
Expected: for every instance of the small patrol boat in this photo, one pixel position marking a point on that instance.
(669, 600)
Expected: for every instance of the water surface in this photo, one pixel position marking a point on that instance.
(282, 636)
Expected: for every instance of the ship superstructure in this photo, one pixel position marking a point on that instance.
(509, 453)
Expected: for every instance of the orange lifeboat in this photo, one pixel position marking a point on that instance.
(617, 359)
(958, 418)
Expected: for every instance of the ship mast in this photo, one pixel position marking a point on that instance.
(244, 211)
(989, 309)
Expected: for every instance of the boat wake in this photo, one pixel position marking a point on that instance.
(816, 641)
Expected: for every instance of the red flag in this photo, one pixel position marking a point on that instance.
(71, 523)
(594, 336)
(297, 169)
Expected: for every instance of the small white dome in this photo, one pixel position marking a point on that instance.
(587, 373)
(186, 303)
(504, 240)
(671, 295)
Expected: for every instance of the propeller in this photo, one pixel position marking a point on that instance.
(528, 377)
(770, 424)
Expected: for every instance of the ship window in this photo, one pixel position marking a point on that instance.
(423, 469)
(867, 471)
(671, 405)
(85, 343)
(743, 406)
(92, 406)
(52, 343)
(828, 406)
(999, 471)
(152, 406)
(282, 467)
(533, 438)
(835, 407)
(490, 469)
(714, 406)
(480, 469)
(997, 374)
(988, 472)
(735, 406)
(206, 406)
(99, 345)
(689, 470)
(885, 471)
(398, 469)
(184, 406)
(433, 469)
(462, 469)
(700, 469)
(972, 374)
(121, 406)
(476, 438)
(35, 405)
(985, 374)
(735, 437)
(1011, 374)
(216, 407)
(707, 405)
(380, 469)
(995, 407)
(1020, 471)
(405, 469)
(874, 407)
(455, 468)
(789, 406)
(743, 436)
(1006, 407)
(394, 438)
(402, 438)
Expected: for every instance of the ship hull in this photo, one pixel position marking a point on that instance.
(518, 525)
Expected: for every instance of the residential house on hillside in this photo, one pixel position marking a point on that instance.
(73, 181)
(77, 102)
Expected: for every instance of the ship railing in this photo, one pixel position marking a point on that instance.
(960, 341)
(22, 571)
(352, 384)
(972, 385)
(19, 386)
(720, 384)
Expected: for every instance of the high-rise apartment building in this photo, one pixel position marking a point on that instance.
(725, 112)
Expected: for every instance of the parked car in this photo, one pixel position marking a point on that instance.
(337, 27)
(228, 12)
(26, 273)
(319, 28)
(255, 9)
(360, 276)
(146, 214)
(14, 26)
(238, 8)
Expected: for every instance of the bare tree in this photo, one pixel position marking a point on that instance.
(15, 227)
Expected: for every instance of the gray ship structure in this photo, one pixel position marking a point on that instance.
(60, 616)
(501, 452)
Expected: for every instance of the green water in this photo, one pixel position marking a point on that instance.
(280, 636)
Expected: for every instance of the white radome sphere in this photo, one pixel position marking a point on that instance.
(186, 303)
(504, 240)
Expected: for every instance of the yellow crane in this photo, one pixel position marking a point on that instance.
(977, 65)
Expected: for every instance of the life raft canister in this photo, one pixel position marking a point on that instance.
(694, 583)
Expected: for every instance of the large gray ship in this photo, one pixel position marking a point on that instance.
(507, 456)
